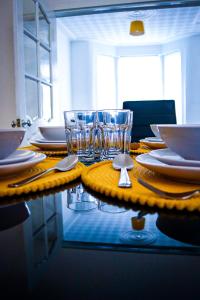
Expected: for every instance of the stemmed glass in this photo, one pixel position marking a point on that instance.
(138, 236)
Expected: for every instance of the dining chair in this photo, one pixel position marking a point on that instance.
(146, 112)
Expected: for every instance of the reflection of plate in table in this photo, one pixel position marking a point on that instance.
(17, 156)
(50, 146)
(191, 174)
(171, 158)
(153, 145)
(183, 229)
(12, 215)
(12, 169)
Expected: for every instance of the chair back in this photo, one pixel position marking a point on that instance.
(146, 112)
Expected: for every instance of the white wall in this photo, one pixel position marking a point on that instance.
(138, 50)
(190, 54)
(7, 70)
(82, 75)
(193, 80)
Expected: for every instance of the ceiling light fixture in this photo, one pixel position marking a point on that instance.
(136, 28)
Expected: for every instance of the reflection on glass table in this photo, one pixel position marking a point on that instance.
(185, 230)
(110, 208)
(100, 229)
(138, 235)
(79, 200)
(13, 215)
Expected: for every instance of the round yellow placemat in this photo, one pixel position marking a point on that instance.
(47, 152)
(138, 148)
(102, 178)
(139, 151)
(49, 181)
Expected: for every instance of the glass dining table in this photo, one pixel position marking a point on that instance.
(71, 243)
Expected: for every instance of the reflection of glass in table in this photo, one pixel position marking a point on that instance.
(138, 235)
(79, 200)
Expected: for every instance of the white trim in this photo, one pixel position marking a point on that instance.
(19, 58)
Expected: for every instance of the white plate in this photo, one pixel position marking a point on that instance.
(153, 139)
(153, 145)
(12, 169)
(169, 157)
(190, 174)
(50, 145)
(41, 140)
(17, 156)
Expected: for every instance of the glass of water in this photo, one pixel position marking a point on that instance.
(116, 131)
(84, 134)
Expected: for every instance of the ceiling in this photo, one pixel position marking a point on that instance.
(161, 26)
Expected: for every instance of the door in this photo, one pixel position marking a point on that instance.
(31, 63)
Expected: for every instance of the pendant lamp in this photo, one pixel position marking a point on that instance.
(137, 28)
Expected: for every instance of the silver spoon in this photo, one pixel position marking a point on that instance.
(65, 164)
(169, 195)
(123, 162)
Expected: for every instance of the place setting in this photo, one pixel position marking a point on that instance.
(50, 139)
(181, 160)
(177, 189)
(155, 142)
(21, 168)
(12, 159)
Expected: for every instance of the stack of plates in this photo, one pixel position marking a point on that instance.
(19, 161)
(168, 163)
(153, 143)
(45, 144)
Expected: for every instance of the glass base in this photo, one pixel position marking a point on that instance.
(83, 206)
(88, 160)
(138, 237)
(112, 209)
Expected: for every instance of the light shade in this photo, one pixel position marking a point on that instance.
(137, 28)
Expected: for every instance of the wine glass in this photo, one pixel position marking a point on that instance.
(138, 235)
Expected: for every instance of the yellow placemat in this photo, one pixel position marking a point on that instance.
(47, 152)
(102, 178)
(138, 148)
(49, 181)
(140, 151)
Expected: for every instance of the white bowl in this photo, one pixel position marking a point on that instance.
(154, 128)
(10, 140)
(53, 133)
(182, 139)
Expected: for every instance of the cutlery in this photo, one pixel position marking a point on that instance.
(65, 164)
(169, 195)
(123, 162)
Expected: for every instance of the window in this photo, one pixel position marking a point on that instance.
(139, 78)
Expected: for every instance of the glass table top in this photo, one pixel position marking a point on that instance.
(80, 218)
(49, 240)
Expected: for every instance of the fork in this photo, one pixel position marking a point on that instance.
(169, 195)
